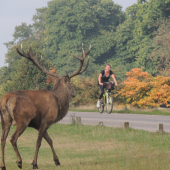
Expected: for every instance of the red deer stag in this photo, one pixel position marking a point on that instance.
(37, 108)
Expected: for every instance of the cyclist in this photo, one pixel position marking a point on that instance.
(104, 77)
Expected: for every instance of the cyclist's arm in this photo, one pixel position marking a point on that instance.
(114, 79)
(99, 79)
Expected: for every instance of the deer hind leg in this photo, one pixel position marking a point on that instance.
(23, 113)
(5, 131)
(19, 130)
(50, 142)
(42, 129)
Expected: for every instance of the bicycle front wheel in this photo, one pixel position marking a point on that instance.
(101, 108)
(109, 103)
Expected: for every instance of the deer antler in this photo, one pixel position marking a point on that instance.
(30, 56)
(83, 56)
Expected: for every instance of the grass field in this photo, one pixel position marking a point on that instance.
(154, 112)
(82, 147)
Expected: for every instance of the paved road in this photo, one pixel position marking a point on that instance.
(136, 121)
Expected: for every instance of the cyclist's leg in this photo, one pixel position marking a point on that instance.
(101, 94)
(101, 91)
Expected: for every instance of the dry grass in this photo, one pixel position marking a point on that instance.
(120, 108)
(93, 148)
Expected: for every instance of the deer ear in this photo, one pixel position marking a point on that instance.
(50, 79)
(67, 78)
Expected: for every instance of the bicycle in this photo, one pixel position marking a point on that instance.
(107, 98)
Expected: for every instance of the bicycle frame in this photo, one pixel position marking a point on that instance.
(106, 100)
(105, 97)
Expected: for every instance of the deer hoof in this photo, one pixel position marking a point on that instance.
(35, 166)
(19, 164)
(57, 162)
(3, 168)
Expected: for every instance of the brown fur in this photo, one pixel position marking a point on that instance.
(2, 121)
(34, 108)
(37, 108)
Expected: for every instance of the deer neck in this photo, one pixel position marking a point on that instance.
(60, 90)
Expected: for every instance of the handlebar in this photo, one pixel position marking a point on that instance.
(109, 85)
(104, 83)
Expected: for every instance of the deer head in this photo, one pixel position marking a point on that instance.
(55, 78)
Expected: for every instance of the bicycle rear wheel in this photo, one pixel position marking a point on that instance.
(101, 108)
(109, 103)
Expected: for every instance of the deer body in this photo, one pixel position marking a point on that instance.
(36, 108)
(41, 106)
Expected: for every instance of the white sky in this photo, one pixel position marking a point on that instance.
(14, 12)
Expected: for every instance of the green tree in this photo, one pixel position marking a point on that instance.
(27, 75)
(124, 57)
(147, 14)
(133, 38)
(38, 25)
(161, 44)
(69, 23)
(22, 32)
(124, 40)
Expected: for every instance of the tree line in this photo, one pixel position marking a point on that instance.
(138, 37)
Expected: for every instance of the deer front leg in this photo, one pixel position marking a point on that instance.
(50, 142)
(40, 135)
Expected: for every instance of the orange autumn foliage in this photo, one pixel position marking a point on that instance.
(143, 90)
(139, 89)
